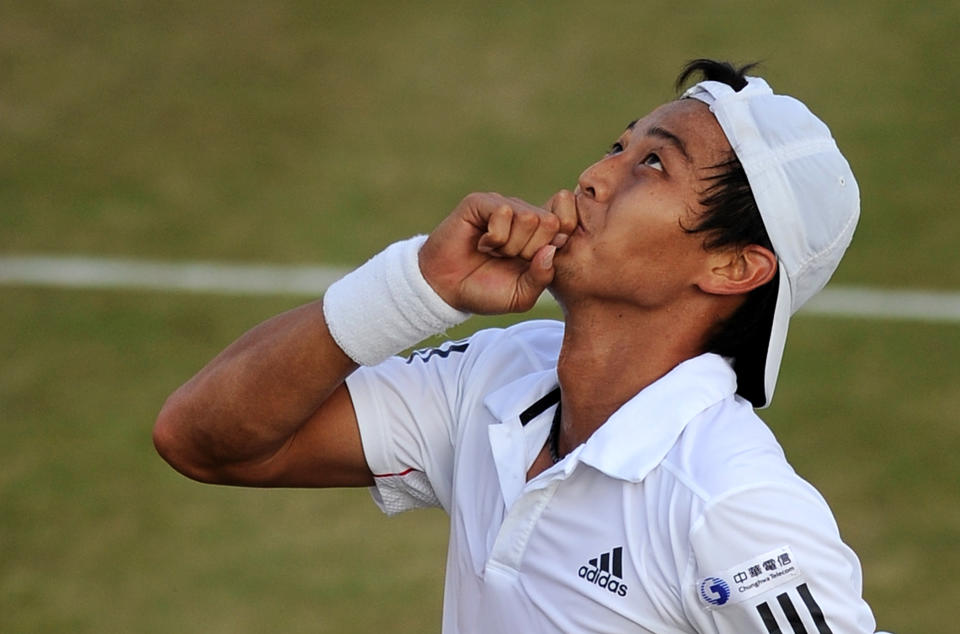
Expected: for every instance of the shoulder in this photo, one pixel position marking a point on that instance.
(727, 447)
(739, 485)
(745, 497)
(730, 483)
(476, 364)
(524, 347)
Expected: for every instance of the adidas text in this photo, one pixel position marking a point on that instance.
(603, 579)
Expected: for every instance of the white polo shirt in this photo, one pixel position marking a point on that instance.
(679, 514)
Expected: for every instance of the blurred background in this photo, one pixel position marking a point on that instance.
(314, 133)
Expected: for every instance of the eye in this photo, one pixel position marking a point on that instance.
(653, 160)
(616, 148)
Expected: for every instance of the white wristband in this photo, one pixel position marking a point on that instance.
(386, 305)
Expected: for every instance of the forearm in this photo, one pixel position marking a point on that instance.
(266, 411)
(247, 403)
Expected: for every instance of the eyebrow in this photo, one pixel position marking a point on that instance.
(666, 135)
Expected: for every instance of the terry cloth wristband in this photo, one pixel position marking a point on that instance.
(386, 305)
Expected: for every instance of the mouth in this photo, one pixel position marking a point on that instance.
(581, 228)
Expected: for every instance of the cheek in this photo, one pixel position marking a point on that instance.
(656, 251)
(652, 236)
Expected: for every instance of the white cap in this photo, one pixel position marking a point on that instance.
(803, 187)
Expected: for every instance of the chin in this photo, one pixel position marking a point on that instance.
(563, 283)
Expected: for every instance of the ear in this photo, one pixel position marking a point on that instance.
(738, 270)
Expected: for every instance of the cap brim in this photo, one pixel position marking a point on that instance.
(778, 337)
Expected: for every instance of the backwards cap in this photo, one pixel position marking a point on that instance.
(807, 196)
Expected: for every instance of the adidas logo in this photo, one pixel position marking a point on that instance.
(606, 571)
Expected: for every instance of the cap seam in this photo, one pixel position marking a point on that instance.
(769, 159)
(828, 248)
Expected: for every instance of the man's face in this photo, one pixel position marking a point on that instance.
(632, 205)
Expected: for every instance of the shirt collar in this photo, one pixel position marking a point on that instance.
(515, 443)
(509, 401)
(637, 437)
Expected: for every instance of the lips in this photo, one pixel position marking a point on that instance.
(581, 228)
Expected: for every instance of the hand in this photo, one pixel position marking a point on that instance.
(494, 254)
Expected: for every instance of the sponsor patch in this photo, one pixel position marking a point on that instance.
(748, 579)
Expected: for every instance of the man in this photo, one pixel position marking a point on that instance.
(607, 474)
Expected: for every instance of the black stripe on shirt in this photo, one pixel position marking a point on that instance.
(814, 608)
(540, 406)
(791, 612)
(427, 353)
(768, 619)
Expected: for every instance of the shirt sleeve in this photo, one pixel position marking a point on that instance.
(769, 559)
(406, 408)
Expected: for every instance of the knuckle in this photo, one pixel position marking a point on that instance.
(528, 220)
(550, 222)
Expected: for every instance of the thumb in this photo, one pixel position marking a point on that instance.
(537, 276)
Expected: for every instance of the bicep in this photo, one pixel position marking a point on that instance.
(405, 409)
(326, 451)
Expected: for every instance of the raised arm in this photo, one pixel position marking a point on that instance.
(272, 409)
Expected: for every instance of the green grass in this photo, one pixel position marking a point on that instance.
(318, 132)
(867, 412)
(252, 130)
(98, 534)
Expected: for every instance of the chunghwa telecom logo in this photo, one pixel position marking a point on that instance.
(714, 591)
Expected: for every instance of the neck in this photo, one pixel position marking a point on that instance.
(609, 354)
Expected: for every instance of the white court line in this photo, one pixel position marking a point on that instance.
(199, 277)
(244, 279)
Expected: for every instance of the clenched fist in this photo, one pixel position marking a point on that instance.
(494, 254)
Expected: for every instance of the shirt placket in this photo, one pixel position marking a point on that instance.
(518, 526)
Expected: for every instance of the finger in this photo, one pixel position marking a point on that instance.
(536, 278)
(499, 223)
(563, 205)
(544, 234)
(523, 227)
(544, 229)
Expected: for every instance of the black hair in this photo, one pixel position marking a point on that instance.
(732, 219)
(713, 70)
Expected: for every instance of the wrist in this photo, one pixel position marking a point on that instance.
(386, 305)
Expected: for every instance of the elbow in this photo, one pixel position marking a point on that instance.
(174, 436)
(165, 437)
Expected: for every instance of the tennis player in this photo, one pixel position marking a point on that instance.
(604, 474)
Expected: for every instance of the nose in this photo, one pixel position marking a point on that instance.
(596, 181)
